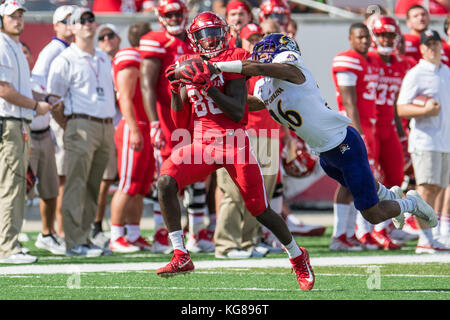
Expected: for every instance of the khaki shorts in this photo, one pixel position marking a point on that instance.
(111, 172)
(43, 164)
(431, 167)
(60, 155)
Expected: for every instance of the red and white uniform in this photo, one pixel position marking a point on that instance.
(128, 6)
(366, 72)
(136, 169)
(389, 153)
(163, 46)
(218, 142)
(412, 48)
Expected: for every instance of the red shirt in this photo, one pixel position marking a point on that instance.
(205, 113)
(166, 48)
(402, 6)
(126, 58)
(412, 49)
(366, 70)
(108, 6)
(389, 83)
(261, 119)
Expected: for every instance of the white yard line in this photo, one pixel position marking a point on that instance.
(212, 264)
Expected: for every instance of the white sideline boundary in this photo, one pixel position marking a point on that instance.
(213, 264)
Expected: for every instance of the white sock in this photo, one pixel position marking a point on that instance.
(445, 225)
(425, 237)
(351, 221)
(341, 212)
(362, 225)
(407, 204)
(196, 222)
(384, 193)
(382, 225)
(177, 240)
(133, 232)
(437, 230)
(292, 249)
(117, 231)
(159, 220)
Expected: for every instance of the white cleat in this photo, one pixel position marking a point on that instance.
(399, 221)
(423, 210)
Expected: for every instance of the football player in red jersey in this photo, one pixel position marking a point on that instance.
(136, 163)
(277, 10)
(160, 49)
(355, 75)
(418, 20)
(219, 112)
(388, 148)
(238, 14)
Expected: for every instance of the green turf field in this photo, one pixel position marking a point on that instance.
(407, 281)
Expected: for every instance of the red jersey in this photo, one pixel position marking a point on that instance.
(206, 114)
(163, 46)
(389, 83)
(446, 57)
(130, 57)
(412, 49)
(261, 119)
(366, 70)
(108, 6)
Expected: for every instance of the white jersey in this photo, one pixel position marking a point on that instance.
(301, 107)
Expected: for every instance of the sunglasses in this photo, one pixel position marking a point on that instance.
(110, 35)
(65, 21)
(175, 14)
(89, 19)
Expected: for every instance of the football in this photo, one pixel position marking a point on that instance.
(183, 67)
(421, 100)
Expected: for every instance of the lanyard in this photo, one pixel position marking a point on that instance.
(96, 73)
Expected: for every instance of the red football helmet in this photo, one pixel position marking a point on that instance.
(277, 10)
(172, 9)
(302, 163)
(208, 34)
(385, 24)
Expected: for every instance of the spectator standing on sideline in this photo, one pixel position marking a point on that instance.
(62, 39)
(277, 10)
(82, 75)
(355, 75)
(17, 105)
(238, 14)
(429, 138)
(136, 163)
(43, 165)
(159, 49)
(108, 41)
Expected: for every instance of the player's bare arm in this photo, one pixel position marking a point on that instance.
(348, 94)
(178, 99)
(149, 73)
(254, 103)
(280, 71)
(127, 79)
(232, 102)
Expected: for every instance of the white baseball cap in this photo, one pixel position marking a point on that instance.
(11, 6)
(62, 12)
(110, 26)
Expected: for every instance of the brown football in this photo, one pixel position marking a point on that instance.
(191, 62)
(421, 100)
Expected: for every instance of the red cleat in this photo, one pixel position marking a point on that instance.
(181, 263)
(143, 244)
(384, 240)
(303, 270)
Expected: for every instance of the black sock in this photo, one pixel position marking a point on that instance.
(97, 227)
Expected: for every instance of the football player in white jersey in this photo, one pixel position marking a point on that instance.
(292, 96)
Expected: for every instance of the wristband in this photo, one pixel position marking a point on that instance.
(234, 66)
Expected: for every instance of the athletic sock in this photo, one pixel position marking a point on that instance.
(117, 231)
(340, 215)
(362, 226)
(384, 193)
(96, 228)
(382, 225)
(177, 240)
(351, 221)
(158, 220)
(133, 232)
(425, 237)
(407, 204)
(445, 225)
(292, 249)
